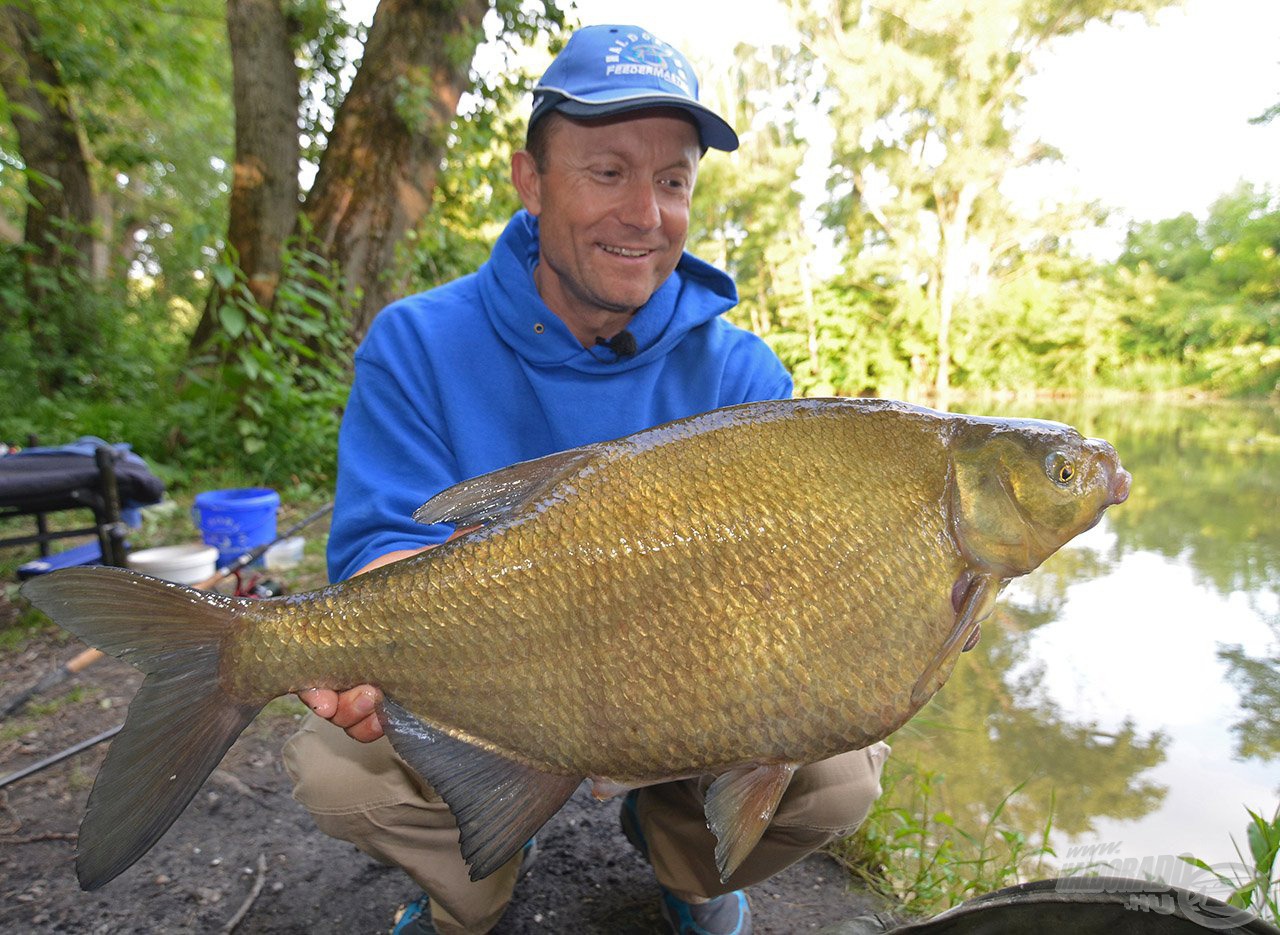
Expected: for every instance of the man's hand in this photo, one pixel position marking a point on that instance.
(352, 710)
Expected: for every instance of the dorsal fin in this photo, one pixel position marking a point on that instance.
(490, 496)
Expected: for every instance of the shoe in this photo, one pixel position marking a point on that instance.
(729, 914)
(415, 918)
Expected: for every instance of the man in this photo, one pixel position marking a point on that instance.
(588, 322)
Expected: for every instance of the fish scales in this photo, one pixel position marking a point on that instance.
(737, 593)
(723, 609)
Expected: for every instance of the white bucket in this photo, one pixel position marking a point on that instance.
(287, 553)
(183, 564)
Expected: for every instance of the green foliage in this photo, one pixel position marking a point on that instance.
(263, 404)
(269, 393)
(265, 401)
(911, 848)
(472, 199)
(106, 347)
(746, 215)
(1206, 294)
(857, 342)
(148, 82)
(1053, 325)
(1256, 890)
(924, 98)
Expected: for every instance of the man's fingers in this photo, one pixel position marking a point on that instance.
(367, 730)
(355, 705)
(352, 710)
(320, 700)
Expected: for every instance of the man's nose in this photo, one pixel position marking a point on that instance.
(640, 206)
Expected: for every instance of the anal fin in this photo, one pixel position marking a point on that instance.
(739, 806)
(498, 802)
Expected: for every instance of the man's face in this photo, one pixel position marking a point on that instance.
(612, 202)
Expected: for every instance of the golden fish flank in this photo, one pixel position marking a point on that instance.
(736, 593)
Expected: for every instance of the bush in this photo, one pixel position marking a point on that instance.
(263, 403)
(92, 359)
(267, 397)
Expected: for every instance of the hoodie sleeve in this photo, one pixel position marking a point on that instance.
(392, 455)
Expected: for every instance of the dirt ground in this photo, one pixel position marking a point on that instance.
(244, 833)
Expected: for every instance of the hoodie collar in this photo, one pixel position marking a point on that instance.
(692, 295)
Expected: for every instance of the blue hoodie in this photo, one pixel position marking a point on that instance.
(479, 373)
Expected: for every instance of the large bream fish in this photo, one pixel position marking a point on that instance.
(738, 593)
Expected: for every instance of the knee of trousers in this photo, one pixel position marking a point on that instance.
(335, 775)
(831, 797)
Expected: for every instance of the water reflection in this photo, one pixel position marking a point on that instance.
(1109, 676)
(1257, 678)
(993, 728)
(1206, 493)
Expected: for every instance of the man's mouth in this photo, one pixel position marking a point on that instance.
(624, 251)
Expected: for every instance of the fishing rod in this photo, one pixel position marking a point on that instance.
(247, 558)
(60, 756)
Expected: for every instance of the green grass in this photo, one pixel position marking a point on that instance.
(30, 716)
(1257, 888)
(913, 851)
(19, 622)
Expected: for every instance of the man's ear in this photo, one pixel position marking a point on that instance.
(527, 181)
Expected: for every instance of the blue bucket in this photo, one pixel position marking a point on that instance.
(236, 521)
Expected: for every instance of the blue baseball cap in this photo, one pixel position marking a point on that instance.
(606, 70)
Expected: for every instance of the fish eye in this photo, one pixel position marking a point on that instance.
(1061, 469)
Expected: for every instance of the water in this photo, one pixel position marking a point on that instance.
(1133, 681)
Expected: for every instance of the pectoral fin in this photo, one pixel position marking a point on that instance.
(740, 804)
(974, 607)
(498, 802)
(490, 496)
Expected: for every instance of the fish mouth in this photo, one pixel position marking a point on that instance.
(1121, 482)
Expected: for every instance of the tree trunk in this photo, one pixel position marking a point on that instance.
(799, 251)
(264, 189)
(379, 168)
(955, 236)
(58, 229)
(60, 212)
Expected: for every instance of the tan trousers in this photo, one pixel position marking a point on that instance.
(365, 794)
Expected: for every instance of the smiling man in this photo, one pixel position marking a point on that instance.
(588, 322)
(612, 199)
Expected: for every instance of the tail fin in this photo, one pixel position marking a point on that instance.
(180, 723)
